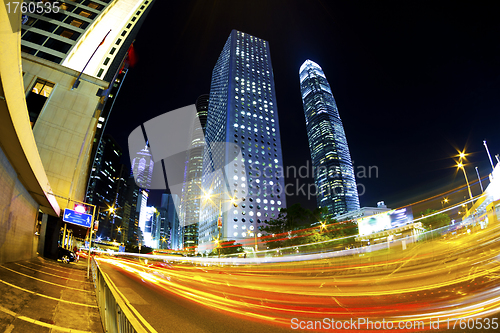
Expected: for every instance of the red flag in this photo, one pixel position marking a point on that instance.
(219, 221)
(132, 57)
(105, 38)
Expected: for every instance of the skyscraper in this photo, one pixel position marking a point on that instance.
(191, 192)
(142, 166)
(106, 186)
(248, 189)
(333, 170)
(170, 221)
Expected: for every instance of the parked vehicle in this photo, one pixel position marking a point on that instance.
(66, 256)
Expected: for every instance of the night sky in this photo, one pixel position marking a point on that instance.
(414, 81)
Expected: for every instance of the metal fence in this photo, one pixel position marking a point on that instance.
(116, 314)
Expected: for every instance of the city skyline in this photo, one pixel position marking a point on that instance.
(405, 94)
(412, 129)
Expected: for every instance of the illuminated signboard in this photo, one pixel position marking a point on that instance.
(374, 223)
(384, 221)
(401, 217)
(81, 219)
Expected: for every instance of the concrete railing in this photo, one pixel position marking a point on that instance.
(116, 314)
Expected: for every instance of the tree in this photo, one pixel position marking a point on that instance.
(297, 226)
(229, 247)
(436, 221)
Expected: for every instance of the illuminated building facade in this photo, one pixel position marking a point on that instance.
(334, 173)
(106, 187)
(191, 192)
(170, 235)
(142, 166)
(248, 170)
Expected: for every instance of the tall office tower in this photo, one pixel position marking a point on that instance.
(202, 110)
(191, 192)
(131, 213)
(142, 166)
(170, 222)
(333, 170)
(106, 187)
(102, 190)
(242, 182)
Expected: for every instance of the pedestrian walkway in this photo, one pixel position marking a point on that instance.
(44, 295)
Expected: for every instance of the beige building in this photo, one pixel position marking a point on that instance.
(48, 124)
(65, 126)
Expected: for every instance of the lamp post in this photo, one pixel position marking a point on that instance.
(119, 231)
(461, 166)
(322, 227)
(219, 226)
(489, 156)
(207, 197)
(479, 179)
(112, 209)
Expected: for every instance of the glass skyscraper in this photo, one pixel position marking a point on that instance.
(333, 170)
(191, 191)
(243, 181)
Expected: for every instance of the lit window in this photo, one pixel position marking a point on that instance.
(83, 13)
(37, 98)
(43, 88)
(76, 23)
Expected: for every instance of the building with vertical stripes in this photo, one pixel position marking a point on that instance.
(333, 171)
(243, 179)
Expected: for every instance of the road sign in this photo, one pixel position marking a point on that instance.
(74, 217)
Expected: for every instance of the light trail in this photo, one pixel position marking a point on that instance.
(421, 286)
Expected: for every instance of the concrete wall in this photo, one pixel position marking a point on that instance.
(18, 216)
(66, 126)
(24, 187)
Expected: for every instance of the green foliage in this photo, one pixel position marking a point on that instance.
(135, 249)
(436, 221)
(228, 247)
(297, 225)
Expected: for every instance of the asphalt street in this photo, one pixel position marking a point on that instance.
(454, 280)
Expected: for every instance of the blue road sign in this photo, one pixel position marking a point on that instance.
(74, 217)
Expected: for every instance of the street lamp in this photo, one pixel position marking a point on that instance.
(479, 179)
(444, 201)
(322, 226)
(489, 156)
(207, 196)
(460, 165)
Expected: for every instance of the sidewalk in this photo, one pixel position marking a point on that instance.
(44, 295)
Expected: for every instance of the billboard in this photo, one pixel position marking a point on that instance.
(384, 221)
(374, 223)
